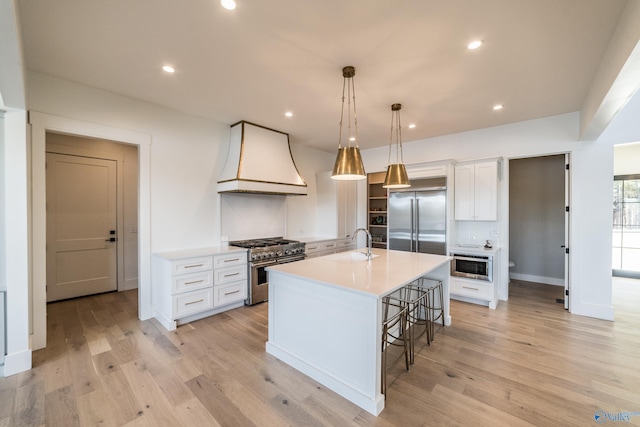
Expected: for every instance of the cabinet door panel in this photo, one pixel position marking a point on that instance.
(464, 193)
(486, 191)
(192, 302)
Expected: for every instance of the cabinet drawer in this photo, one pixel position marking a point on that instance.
(229, 293)
(230, 274)
(192, 302)
(472, 289)
(229, 260)
(328, 246)
(345, 245)
(192, 265)
(193, 281)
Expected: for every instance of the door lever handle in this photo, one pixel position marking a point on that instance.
(111, 239)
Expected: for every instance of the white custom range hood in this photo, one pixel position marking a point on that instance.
(260, 161)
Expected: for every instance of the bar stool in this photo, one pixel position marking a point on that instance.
(434, 304)
(389, 323)
(414, 298)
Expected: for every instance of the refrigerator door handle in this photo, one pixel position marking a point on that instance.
(412, 226)
(417, 225)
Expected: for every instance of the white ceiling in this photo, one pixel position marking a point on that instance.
(266, 57)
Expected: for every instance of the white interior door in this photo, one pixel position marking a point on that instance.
(567, 213)
(81, 226)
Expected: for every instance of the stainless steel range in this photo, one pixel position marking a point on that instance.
(265, 252)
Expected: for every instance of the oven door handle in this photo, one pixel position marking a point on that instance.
(263, 264)
(478, 259)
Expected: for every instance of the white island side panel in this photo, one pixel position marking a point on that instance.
(330, 334)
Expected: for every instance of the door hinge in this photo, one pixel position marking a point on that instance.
(566, 209)
(566, 292)
(566, 250)
(566, 166)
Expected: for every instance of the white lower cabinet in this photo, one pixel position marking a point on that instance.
(328, 246)
(475, 291)
(192, 284)
(347, 244)
(320, 248)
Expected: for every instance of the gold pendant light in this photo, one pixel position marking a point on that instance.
(348, 164)
(396, 176)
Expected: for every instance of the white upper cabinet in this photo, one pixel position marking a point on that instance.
(476, 191)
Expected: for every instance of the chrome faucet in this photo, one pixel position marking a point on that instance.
(370, 241)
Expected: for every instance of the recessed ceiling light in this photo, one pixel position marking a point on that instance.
(353, 138)
(412, 125)
(498, 107)
(168, 69)
(228, 4)
(288, 114)
(474, 44)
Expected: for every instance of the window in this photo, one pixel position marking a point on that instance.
(626, 226)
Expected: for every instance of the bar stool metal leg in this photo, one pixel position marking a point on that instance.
(388, 323)
(435, 304)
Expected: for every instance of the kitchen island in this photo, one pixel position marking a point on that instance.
(325, 316)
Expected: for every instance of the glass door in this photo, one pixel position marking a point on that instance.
(626, 226)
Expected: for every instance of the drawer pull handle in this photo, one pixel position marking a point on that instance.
(231, 260)
(312, 248)
(194, 265)
(469, 287)
(231, 293)
(193, 302)
(229, 275)
(193, 282)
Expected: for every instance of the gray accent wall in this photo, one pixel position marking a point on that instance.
(536, 219)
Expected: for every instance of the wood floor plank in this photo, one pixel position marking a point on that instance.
(149, 395)
(218, 405)
(29, 405)
(193, 413)
(121, 397)
(61, 408)
(95, 409)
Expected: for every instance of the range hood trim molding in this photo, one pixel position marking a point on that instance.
(234, 177)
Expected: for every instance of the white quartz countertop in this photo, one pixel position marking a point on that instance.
(196, 252)
(462, 249)
(386, 272)
(310, 239)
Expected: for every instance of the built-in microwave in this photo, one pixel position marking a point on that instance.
(472, 266)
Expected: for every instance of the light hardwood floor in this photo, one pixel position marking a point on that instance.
(527, 363)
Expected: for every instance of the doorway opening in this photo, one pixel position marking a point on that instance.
(92, 216)
(538, 223)
(626, 226)
(40, 124)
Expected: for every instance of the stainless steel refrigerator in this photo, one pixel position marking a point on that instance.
(417, 217)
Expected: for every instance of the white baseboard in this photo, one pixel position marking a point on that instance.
(598, 311)
(129, 284)
(537, 279)
(15, 363)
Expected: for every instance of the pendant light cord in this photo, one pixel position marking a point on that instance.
(395, 118)
(348, 86)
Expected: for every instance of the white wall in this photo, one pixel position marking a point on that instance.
(186, 154)
(591, 193)
(302, 211)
